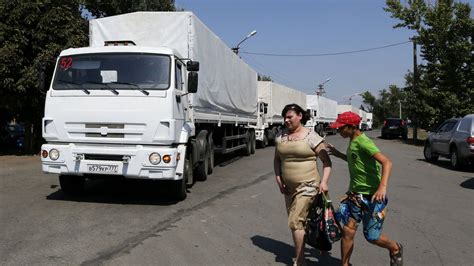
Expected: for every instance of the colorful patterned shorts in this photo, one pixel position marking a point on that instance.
(355, 208)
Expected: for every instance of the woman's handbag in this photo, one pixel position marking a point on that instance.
(332, 229)
(315, 225)
(322, 229)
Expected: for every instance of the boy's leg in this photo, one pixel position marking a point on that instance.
(373, 223)
(387, 243)
(347, 241)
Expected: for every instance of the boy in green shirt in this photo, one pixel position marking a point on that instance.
(366, 199)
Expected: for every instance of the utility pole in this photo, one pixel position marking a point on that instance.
(415, 86)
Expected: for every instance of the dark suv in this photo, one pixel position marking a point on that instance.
(453, 139)
(394, 127)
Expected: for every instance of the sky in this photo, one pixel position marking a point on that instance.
(310, 27)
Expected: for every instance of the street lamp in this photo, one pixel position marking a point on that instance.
(320, 89)
(236, 48)
(353, 95)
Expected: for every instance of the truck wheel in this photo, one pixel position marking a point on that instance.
(72, 185)
(179, 187)
(253, 143)
(455, 161)
(429, 156)
(248, 146)
(203, 167)
(265, 141)
(210, 165)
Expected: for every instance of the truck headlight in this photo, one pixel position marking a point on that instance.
(154, 158)
(53, 154)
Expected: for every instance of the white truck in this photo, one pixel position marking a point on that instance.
(366, 118)
(131, 103)
(323, 111)
(272, 98)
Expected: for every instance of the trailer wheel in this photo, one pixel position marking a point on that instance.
(72, 185)
(253, 143)
(248, 145)
(210, 166)
(203, 167)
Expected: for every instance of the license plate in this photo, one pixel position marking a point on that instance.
(102, 169)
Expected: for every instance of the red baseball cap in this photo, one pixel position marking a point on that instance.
(346, 118)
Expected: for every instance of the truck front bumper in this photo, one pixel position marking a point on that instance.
(129, 161)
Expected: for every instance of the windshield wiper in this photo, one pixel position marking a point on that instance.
(114, 91)
(132, 84)
(74, 83)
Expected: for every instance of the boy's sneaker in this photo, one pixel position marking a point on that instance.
(397, 259)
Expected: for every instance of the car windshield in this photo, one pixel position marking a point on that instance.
(112, 70)
(393, 122)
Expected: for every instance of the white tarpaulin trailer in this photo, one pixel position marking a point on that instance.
(326, 109)
(227, 86)
(277, 96)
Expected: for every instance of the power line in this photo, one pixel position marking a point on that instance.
(327, 54)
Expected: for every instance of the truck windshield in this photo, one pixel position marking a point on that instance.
(127, 71)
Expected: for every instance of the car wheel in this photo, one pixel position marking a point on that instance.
(429, 156)
(454, 158)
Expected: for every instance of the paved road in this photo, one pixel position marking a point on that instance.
(236, 217)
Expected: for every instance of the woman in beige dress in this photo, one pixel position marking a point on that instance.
(296, 172)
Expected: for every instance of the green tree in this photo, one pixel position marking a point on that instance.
(385, 105)
(264, 78)
(444, 85)
(115, 7)
(33, 33)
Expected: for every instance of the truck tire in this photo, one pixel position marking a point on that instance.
(428, 154)
(210, 166)
(72, 185)
(248, 146)
(179, 187)
(203, 167)
(253, 143)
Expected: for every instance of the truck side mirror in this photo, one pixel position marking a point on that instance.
(192, 82)
(265, 111)
(192, 66)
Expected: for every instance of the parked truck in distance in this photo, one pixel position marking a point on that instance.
(366, 121)
(323, 111)
(272, 98)
(131, 104)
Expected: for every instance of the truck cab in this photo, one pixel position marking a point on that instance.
(118, 110)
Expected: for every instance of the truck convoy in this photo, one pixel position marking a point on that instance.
(323, 111)
(131, 103)
(272, 98)
(367, 118)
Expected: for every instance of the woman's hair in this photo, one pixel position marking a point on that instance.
(298, 110)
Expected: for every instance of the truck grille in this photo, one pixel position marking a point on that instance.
(105, 130)
(103, 157)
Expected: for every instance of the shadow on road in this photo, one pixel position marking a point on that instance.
(284, 253)
(444, 163)
(120, 191)
(468, 183)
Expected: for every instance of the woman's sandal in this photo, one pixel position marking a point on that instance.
(397, 259)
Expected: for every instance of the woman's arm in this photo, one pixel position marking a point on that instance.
(323, 155)
(381, 192)
(277, 169)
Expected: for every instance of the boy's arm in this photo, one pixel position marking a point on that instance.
(335, 152)
(381, 192)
